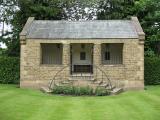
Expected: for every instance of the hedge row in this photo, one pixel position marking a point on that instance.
(79, 90)
(152, 71)
(9, 70)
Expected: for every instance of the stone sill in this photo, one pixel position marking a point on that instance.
(112, 65)
(51, 65)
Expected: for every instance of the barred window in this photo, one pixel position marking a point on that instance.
(51, 53)
(107, 55)
(112, 53)
(82, 56)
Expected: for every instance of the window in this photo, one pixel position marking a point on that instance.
(107, 55)
(51, 53)
(82, 56)
(83, 46)
(112, 53)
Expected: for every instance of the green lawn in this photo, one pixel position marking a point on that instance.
(24, 104)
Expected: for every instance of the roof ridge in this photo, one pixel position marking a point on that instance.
(78, 21)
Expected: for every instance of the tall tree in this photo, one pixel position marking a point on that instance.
(77, 10)
(148, 12)
(40, 9)
(115, 9)
(6, 10)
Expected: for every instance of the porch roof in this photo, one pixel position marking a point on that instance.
(45, 29)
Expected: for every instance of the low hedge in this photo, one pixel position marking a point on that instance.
(9, 70)
(75, 90)
(152, 71)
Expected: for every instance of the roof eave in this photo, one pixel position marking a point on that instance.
(26, 27)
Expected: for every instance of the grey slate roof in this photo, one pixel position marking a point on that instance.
(82, 29)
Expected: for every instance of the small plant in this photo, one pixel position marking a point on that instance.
(76, 90)
(86, 90)
(101, 91)
(58, 90)
(68, 90)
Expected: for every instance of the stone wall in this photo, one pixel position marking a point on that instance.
(130, 74)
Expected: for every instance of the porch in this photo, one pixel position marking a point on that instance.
(81, 56)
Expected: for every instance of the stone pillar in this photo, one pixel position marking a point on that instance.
(22, 61)
(97, 54)
(66, 54)
(140, 72)
(66, 59)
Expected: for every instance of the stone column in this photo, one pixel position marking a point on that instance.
(66, 60)
(96, 59)
(97, 54)
(66, 54)
(22, 62)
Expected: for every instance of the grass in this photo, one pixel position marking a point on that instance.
(25, 104)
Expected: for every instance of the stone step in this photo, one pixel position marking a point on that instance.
(45, 90)
(97, 82)
(103, 85)
(116, 91)
(109, 87)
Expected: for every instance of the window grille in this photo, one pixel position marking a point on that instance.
(51, 53)
(112, 53)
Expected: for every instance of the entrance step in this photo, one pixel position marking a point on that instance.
(116, 91)
(45, 90)
(109, 87)
(97, 82)
(103, 85)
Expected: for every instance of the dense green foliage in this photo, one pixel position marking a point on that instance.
(40, 9)
(116, 9)
(9, 70)
(75, 90)
(25, 104)
(152, 71)
(147, 11)
(101, 91)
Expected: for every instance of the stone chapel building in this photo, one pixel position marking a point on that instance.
(85, 52)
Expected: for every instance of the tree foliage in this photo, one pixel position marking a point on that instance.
(40, 9)
(115, 9)
(16, 12)
(77, 10)
(148, 12)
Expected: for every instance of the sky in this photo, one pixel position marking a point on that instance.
(6, 28)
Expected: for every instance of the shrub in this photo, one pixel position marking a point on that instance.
(74, 90)
(86, 91)
(152, 71)
(9, 70)
(68, 90)
(101, 91)
(58, 90)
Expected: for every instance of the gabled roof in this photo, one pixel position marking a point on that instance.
(101, 29)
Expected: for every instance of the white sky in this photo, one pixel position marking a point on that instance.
(6, 28)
